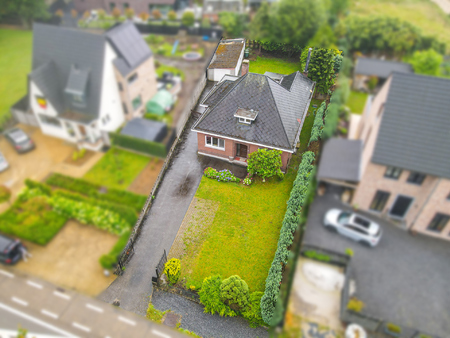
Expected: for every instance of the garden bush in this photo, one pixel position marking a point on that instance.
(317, 256)
(234, 292)
(211, 299)
(298, 197)
(109, 260)
(188, 19)
(354, 304)
(265, 163)
(253, 311)
(316, 131)
(5, 194)
(87, 188)
(172, 269)
(224, 175)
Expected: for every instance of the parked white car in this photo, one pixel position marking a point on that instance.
(3, 163)
(354, 226)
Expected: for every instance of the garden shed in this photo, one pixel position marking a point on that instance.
(144, 129)
(161, 103)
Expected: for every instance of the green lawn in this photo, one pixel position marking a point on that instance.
(307, 126)
(275, 65)
(117, 169)
(15, 64)
(356, 102)
(422, 13)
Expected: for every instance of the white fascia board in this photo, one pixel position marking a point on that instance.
(245, 141)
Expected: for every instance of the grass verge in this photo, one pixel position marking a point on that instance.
(275, 65)
(356, 102)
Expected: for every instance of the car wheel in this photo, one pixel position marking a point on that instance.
(366, 244)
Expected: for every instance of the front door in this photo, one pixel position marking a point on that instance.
(400, 206)
(241, 150)
(82, 130)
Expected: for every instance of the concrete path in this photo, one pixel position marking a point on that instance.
(158, 233)
(194, 319)
(444, 4)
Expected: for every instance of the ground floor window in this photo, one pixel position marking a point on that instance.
(50, 120)
(215, 142)
(438, 222)
(379, 200)
(70, 129)
(137, 102)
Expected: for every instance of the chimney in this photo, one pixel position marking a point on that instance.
(307, 62)
(244, 68)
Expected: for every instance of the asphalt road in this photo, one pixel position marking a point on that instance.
(46, 310)
(403, 280)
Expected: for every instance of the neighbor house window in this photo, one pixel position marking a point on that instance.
(125, 108)
(50, 120)
(120, 86)
(438, 222)
(70, 129)
(416, 178)
(136, 102)
(215, 142)
(243, 120)
(132, 78)
(393, 172)
(126, 5)
(379, 200)
(112, 5)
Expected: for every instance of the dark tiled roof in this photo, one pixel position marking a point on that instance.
(340, 160)
(145, 129)
(227, 54)
(280, 111)
(55, 51)
(286, 81)
(414, 131)
(129, 45)
(77, 81)
(217, 93)
(380, 68)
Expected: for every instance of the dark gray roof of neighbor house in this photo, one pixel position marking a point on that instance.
(55, 51)
(77, 81)
(340, 160)
(218, 92)
(145, 129)
(280, 111)
(287, 80)
(414, 131)
(380, 68)
(22, 105)
(129, 45)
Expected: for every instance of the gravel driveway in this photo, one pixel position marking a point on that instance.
(203, 324)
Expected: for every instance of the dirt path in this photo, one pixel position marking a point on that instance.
(143, 184)
(71, 258)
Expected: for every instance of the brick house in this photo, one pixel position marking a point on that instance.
(251, 112)
(84, 85)
(402, 168)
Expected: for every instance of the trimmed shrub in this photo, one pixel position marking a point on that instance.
(188, 19)
(316, 131)
(224, 175)
(109, 260)
(253, 311)
(210, 297)
(317, 256)
(172, 269)
(172, 15)
(234, 292)
(291, 222)
(354, 304)
(147, 147)
(265, 163)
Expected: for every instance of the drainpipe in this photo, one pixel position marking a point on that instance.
(307, 62)
(426, 202)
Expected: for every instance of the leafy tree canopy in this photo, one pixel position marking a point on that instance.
(27, 10)
(426, 62)
(188, 18)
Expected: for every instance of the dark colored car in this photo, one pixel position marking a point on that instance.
(10, 250)
(19, 140)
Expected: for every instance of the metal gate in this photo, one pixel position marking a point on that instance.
(25, 117)
(160, 267)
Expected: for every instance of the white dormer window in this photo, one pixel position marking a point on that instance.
(246, 121)
(246, 116)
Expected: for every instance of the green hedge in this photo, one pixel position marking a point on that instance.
(291, 221)
(316, 131)
(87, 188)
(109, 260)
(146, 147)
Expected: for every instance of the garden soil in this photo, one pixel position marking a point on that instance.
(71, 258)
(143, 184)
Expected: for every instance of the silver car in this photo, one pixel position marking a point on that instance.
(19, 140)
(353, 226)
(3, 163)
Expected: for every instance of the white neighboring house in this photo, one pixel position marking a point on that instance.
(227, 59)
(83, 84)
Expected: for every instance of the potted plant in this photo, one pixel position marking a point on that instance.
(392, 330)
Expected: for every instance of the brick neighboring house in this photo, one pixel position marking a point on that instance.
(251, 112)
(402, 168)
(138, 6)
(84, 85)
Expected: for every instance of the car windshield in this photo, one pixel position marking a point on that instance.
(344, 217)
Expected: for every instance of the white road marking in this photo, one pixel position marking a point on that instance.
(19, 301)
(50, 314)
(61, 295)
(81, 327)
(35, 285)
(36, 320)
(158, 333)
(128, 321)
(6, 273)
(94, 308)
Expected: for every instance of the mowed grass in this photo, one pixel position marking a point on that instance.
(15, 64)
(423, 13)
(117, 169)
(275, 65)
(307, 125)
(356, 102)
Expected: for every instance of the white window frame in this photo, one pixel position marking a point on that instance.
(213, 146)
(244, 120)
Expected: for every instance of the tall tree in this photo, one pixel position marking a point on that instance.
(27, 10)
(426, 62)
(324, 38)
(260, 27)
(296, 21)
(321, 69)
